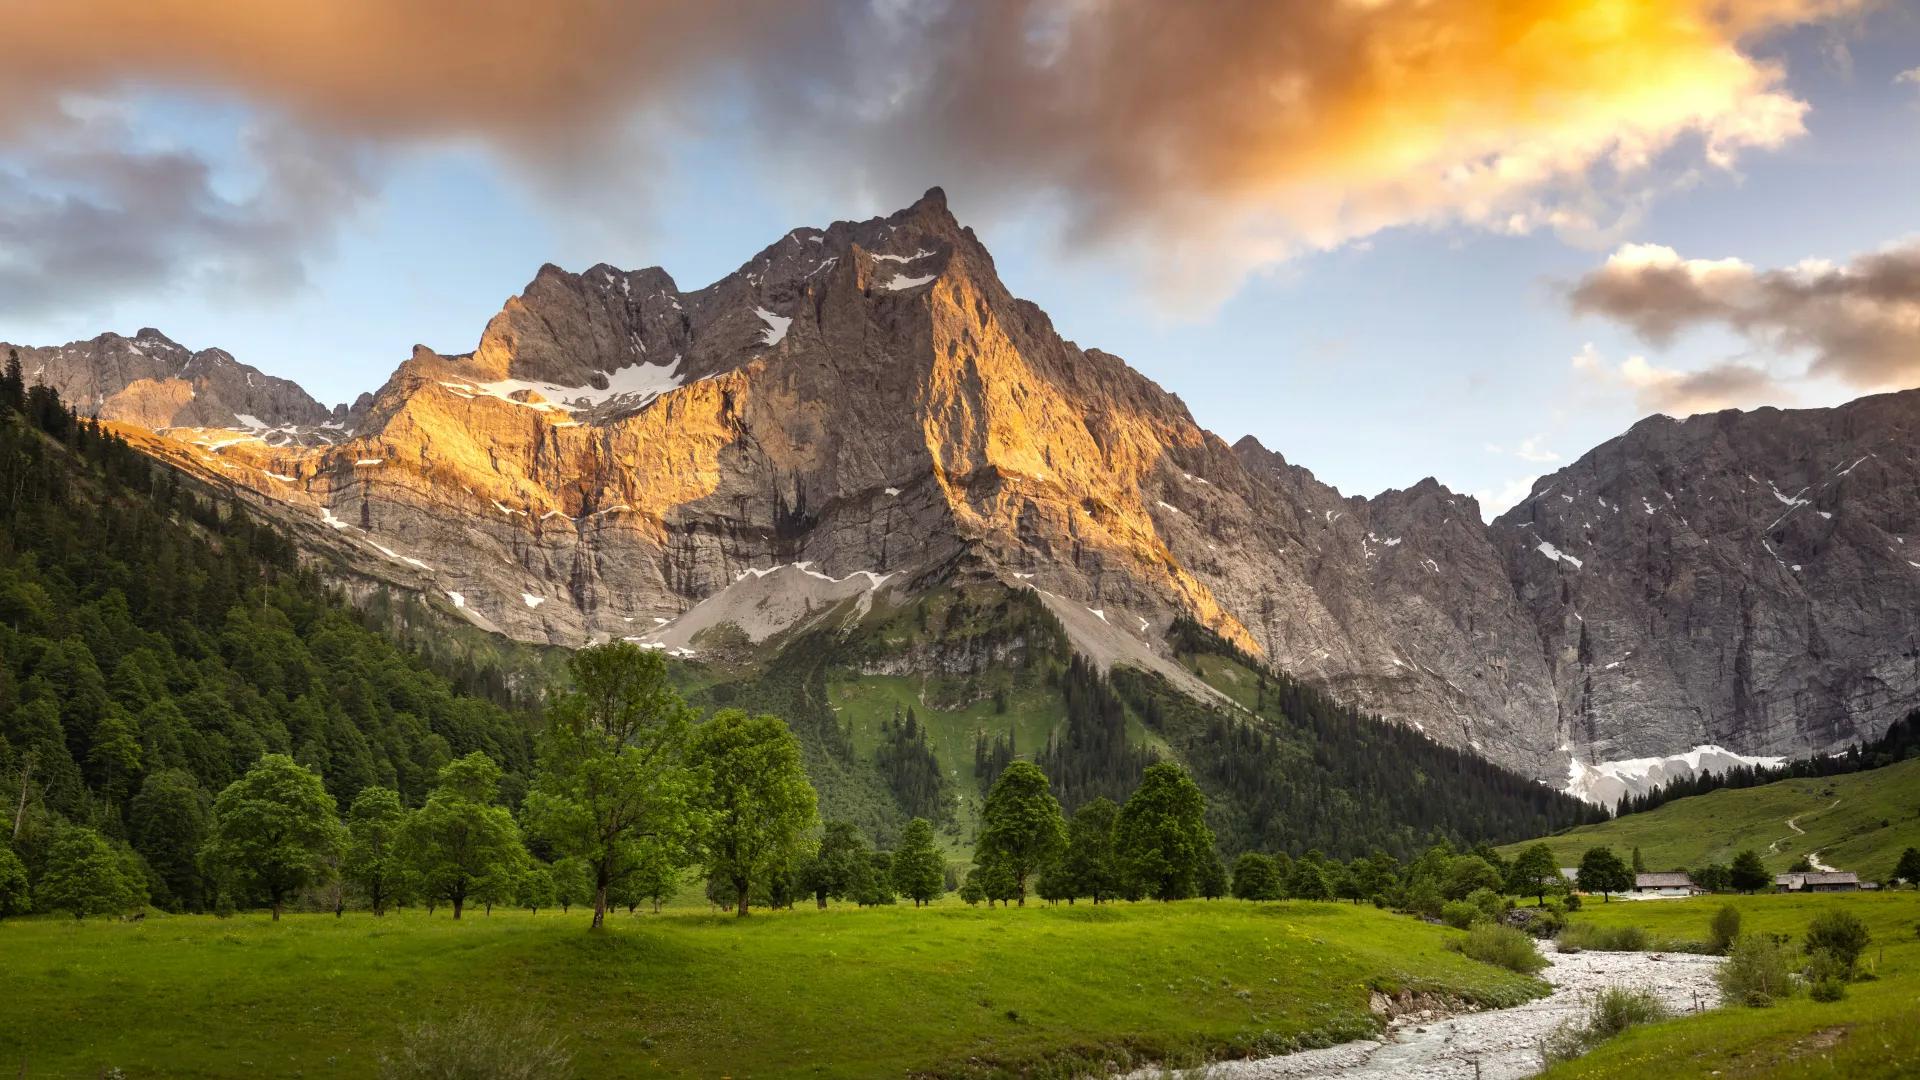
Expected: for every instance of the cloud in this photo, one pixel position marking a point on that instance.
(1860, 323)
(1497, 501)
(1656, 389)
(89, 216)
(1207, 141)
(1528, 449)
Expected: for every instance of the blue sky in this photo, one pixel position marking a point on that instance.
(1433, 345)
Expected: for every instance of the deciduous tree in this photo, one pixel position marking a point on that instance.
(611, 787)
(460, 843)
(919, 870)
(753, 795)
(373, 862)
(834, 868)
(1255, 877)
(1601, 871)
(15, 899)
(85, 876)
(273, 831)
(1532, 872)
(1092, 869)
(1020, 826)
(1161, 834)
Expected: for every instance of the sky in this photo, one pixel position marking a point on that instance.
(1388, 238)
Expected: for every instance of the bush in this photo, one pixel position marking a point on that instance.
(1491, 904)
(1504, 947)
(1756, 972)
(1840, 933)
(479, 1044)
(1613, 1011)
(1579, 935)
(1573, 901)
(1724, 928)
(1459, 914)
(1826, 976)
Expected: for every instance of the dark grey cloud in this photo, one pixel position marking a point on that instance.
(1858, 323)
(87, 217)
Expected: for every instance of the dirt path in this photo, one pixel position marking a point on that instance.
(1794, 824)
(1502, 1044)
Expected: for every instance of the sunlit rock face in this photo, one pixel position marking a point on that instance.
(869, 409)
(150, 380)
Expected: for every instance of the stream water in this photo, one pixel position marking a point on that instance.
(1499, 1044)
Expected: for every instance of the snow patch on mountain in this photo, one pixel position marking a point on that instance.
(1607, 782)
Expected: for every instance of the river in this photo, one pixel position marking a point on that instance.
(1499, 1044)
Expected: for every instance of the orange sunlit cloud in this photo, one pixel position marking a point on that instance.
(1221, 138)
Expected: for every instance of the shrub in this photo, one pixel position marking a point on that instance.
(1612, 1011)
(1503, 946)
(1826, 976)
(1573, 901)
(1459, 914)
(1724, 928)
(1756, 972)
(1579, 935)
(1424, 899)
(1490, 903)
(479, 1044)
(1840, 933)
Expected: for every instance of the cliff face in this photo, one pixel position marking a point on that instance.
(1740, 579)
(152, 381)
(868, 407)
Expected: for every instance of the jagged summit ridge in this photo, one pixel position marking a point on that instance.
(618, 457)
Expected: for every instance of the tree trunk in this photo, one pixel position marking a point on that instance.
(743, 885)
(276, 909)
(458, 903)
(821, 900)
(600, 906)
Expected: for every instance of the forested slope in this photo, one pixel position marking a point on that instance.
(154, 642)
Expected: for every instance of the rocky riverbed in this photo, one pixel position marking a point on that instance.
(1499, 1044)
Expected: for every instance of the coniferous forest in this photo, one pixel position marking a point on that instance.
(155, 643)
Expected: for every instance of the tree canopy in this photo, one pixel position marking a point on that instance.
(754, 798)
(611, 786)
(1020, 826)
(274, 831)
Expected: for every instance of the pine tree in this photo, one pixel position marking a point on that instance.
(1747, 873)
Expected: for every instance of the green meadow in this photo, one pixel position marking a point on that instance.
(946, 991)
(1874, 1032)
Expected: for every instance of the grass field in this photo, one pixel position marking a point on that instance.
(1860, 822)
(944, 991)
(1875, 1032)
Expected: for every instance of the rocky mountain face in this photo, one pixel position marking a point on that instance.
(1740, 579)
(152, 381)
(867, 409)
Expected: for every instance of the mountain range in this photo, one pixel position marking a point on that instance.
(863, 413)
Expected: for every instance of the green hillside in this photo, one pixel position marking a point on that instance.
(1859, 821)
